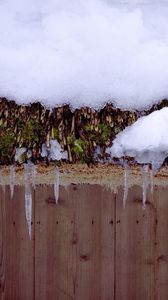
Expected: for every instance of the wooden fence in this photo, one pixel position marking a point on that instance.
(85, 248)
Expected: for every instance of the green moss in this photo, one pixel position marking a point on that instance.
(7, 141)
(78, 148)
(105, 132)
(55, 133)
(99, 136)
(71, 139)
(30, 132)
(24, 157)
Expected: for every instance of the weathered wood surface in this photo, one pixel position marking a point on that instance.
(16, 250)
(85, 248)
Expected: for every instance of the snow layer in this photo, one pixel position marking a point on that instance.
(146, 140)
(84, 52)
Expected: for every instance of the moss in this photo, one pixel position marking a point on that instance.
(55, 133)
(24, 157)
(99, 136)
(105, 132)
(71, 139)
(78, 148)
(30, 132)
(7, 141)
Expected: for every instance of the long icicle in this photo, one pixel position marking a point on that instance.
(125, 196)
(1, 181)
(33, 174)
(56, 184)
(152, 180)
(144, 185)
(28, 197)
(12, 180)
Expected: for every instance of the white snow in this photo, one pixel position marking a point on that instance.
(54, 151)
(146, 140)
(19, 153)
(84, 52)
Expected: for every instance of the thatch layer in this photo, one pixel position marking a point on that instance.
(79, 132)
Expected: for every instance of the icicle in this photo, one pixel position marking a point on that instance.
(1, 181)
(125, 185)
(28, 197)
(33, 174)
(1, 178)
(56, 184)
(144, 185)
(12, 180)
(152, 180)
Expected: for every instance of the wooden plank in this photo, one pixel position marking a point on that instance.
(53, 245)
(161, 247)
(135, 242)
(95, 227)
(17, 260)
(74, 247)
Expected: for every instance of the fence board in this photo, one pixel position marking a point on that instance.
(72, 249)
(135, 238)
(17, 263)
(85, 248)
(161, 246)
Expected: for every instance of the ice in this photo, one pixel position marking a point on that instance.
(33, 174)
(54, 151)
(56, 184)
(2, 181)
(146, 140)
(125, 196)
(28, 197)
(1, 178)
(19, 153)
(145, 169)
(84, 52)
(44, 151)
(12, 180)
(152, 180)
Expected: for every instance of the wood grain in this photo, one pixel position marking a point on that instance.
(161, 244)
(16, 250)
(85, 248)
(135, 238)
(74, 243)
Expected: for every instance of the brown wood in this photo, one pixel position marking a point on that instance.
(16, 250)
(161, 245)
(85, 248)
(74, 244)
(135, 247)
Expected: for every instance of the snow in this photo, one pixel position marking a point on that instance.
(54, 151)
(146, 140)
(84, 52)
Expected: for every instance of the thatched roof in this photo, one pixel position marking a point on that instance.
(79, 132)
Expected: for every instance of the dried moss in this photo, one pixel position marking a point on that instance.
(79, 132)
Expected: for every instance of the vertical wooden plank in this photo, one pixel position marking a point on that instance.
(2, 243)
(135, 242)
(161, 247)
(17, 251)
(95, 229)
(74, 248)
(54, 244)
